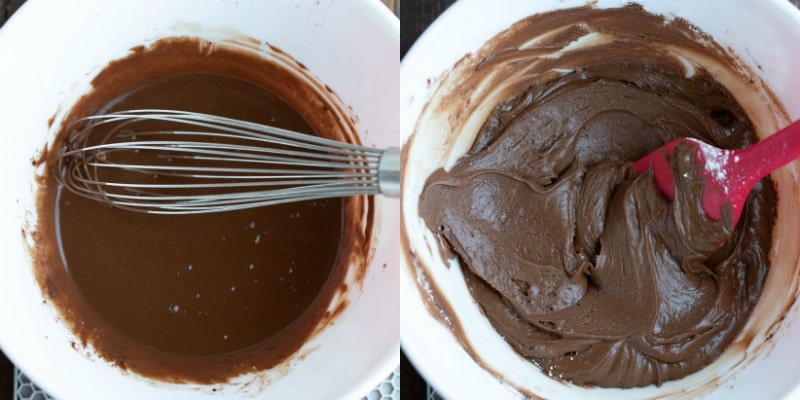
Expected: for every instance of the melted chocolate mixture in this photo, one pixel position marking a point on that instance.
(198, 297)
(204, 284)
(596, 277)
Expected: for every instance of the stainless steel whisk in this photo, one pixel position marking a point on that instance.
(212, 164)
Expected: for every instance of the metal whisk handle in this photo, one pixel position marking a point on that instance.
(389, 172)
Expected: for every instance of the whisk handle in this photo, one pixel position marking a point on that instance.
(389, 172)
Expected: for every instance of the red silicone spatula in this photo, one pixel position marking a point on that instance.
(729, 175)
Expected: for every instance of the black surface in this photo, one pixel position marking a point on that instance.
(9, 6)
(415, 16)
(7, 378)
(412, 385)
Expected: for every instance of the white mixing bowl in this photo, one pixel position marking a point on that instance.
(50, 50)
(761, 363)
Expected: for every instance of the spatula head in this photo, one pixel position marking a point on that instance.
(715, 164)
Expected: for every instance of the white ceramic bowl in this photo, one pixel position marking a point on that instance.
(761, 363)
(49, 52)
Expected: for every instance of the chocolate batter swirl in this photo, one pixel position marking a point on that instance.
(593, 276)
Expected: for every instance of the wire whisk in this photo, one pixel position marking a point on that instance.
(205, 163)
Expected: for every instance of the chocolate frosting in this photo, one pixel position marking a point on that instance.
(592, 275)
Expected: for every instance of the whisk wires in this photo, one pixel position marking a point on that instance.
(206, 163)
